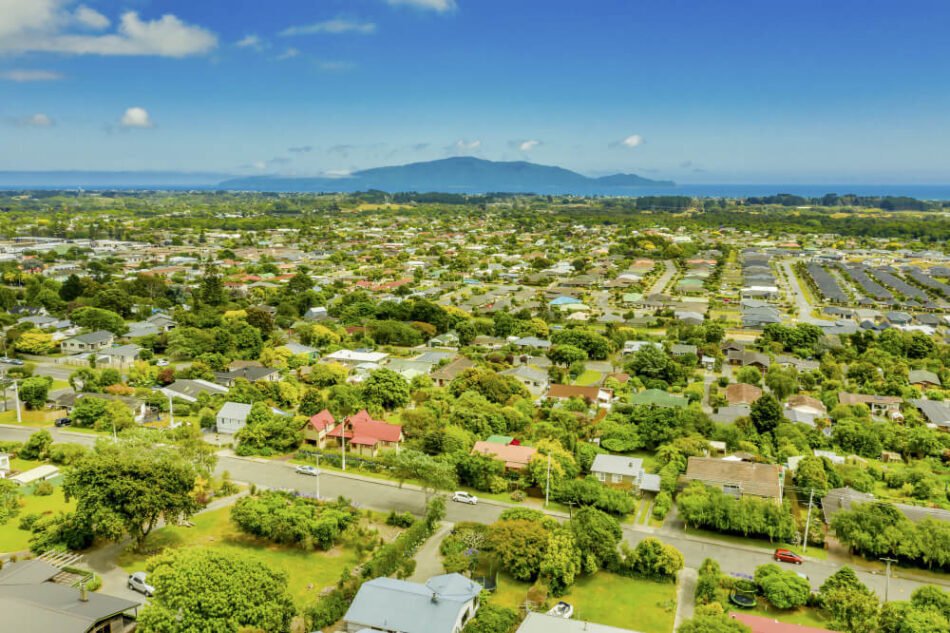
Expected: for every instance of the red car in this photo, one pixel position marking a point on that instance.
(786, 556)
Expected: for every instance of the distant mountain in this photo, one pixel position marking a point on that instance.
(108, 179)
(456, 175)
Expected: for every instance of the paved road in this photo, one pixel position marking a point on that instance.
(664, 278)
(13, 433)
(383, 495)
(802, 306)
(386, 496)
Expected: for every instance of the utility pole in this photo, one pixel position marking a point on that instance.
(343, 443)
(16, 401)
(319, 473)
(171, 413)
(547, 486)
(887, 581)
(811, 495)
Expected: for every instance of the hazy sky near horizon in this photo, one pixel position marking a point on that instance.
(742, 91)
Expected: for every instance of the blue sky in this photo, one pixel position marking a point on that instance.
(768, 91)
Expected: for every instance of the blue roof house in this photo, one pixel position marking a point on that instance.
(444, 604)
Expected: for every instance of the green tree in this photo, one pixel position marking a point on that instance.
(37, 447)
(34, 391)
(597, 535)
(35, 342)
(386, 388)
(125, 489)
(713, 624)
(9, 500)
(766, 413)
(492, 618)
(784, 589)
(204, 590)
(561, 562)
(433, 474)
(99, 319)
(520, 546)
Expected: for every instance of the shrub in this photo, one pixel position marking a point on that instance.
(400, 519)
(43, 489)
(27, 520)
(518, 496)
(662, 505)
(289, 520)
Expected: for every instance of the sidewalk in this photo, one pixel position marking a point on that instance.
(685, 595)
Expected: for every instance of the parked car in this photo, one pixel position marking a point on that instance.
(786, 556)
(464, 497)
(161, 363)
(61, 422)
(307, 470)
(137, 583)
(562, 610)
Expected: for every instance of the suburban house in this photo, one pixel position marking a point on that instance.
(32, 602)
(444, 604)
(937, 413)
(232, 417)
(534, 380)
(89, 342)
(749, 359)
(737, 478)
(742, 393)
(250, 373)
(140, 410)
(318, 313)
(879, 405)
(923, 378)
(599, 395)
(538, 622)
(515, 457)
(449, 339)
(447, 373)
(351, 358)
(624, 472)
(319, 425)
(189, 390)
(118, 356)
(297, 349)
(365, 436)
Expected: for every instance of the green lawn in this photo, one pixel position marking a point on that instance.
(308, 572)
(806, 616)
(605, 598)
(588, 378)
(814, 551)
(44, 417)
(13, 539)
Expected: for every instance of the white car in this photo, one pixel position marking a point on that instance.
(137, 583)
(562, 610)
(161, 363)
(307, 470)
(464, 497)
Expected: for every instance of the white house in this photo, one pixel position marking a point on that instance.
(232, 417)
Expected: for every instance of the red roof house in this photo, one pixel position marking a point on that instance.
(759, 624)
(366, 435)
(318, 428)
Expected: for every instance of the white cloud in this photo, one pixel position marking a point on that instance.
(91, 18)
(439, 6)
(463, 146)
(37, 120)
(250, 41)
(290, 53)
(49, 26)
(136, 118)
(22, 75)
(336, 26)
(527, 146)
(634, 140)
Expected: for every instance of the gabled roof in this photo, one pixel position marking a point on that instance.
(515, 457)
(617, 465)
(915, 376)
(388, 604)
(761, 480)
(742, 393)
(234, 410)
(454, 369)
(323, 420)
(760, 624)
(93, 338)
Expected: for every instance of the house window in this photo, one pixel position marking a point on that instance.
(616, 479)
(602, 476)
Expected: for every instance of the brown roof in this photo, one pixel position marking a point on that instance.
(806, 401)
(742, 393)
(760, 480)
(863, 398)
(760, 624)
(515, 457)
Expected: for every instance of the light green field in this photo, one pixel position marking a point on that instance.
(13, 539)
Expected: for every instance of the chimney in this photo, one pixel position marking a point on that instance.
(83, 596)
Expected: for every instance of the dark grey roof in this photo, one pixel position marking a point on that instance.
(92, 338)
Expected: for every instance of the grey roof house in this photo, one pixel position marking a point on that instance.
(624, 472)
(31, 603)
(444, 604)
(91, 342)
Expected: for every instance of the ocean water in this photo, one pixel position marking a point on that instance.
(920, 192)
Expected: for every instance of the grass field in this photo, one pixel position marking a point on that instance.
(589, 378)
(806, 616)
(44, 417)
(604, 598)
(308, 572)
(13, 539)
(814, 551)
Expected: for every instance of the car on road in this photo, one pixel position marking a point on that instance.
(464, 497)
(138, 583)
(307, 470)
(786, 556)
(61, 422)
(11, 361)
